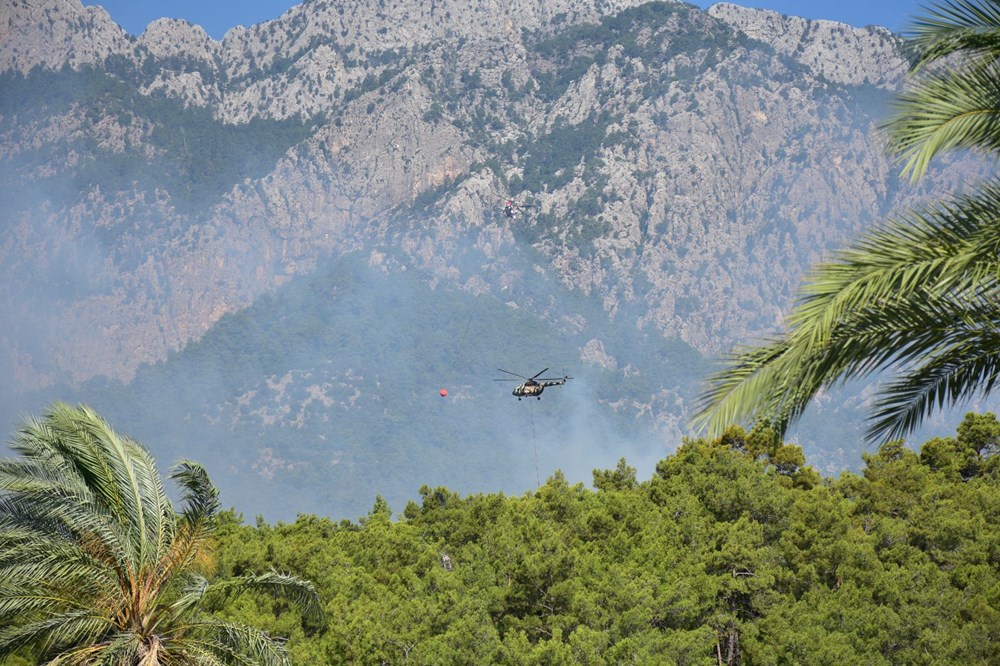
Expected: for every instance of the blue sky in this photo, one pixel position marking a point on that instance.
(219, 16)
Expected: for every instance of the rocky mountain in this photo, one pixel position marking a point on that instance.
(684, 168)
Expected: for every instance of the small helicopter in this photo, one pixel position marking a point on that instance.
(512, 207)
(532, 387)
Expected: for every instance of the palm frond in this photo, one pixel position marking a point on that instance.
(53, 578)
(123, 648)
(969, 367)
(191, 594)
(200, 496)
(159, 516)
(26, 475)
(947, 247)
(121, 476)
(190, 542)
(301, 593)
(200, 654)
(741, 389)
(969, 27)
(41, 462)
(54, 632)
(115, 650)
(28, 602)
(95, 565)
(920, 287)
(80, 442)
(235, 643)
(945, 110)
(952, 99)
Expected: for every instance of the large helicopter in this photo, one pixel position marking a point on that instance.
(532, 387)
(511, 207)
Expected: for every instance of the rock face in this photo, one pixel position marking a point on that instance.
(686, 166)
(830, 50)
(41, 33)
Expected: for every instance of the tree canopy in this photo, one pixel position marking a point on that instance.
(735, 551)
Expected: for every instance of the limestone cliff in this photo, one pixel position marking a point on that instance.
(686, 166)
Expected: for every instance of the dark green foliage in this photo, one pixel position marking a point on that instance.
(552, 158)
(734, 552)
(385, 66)
(654, 33)
(968, 455)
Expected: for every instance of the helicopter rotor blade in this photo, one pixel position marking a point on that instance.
(515, 374)
(540, 373)
(563, 379)
(506, 198)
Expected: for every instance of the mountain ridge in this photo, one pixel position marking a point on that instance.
(410, 143)
(684, 168)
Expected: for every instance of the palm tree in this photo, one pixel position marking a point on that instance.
(918, 298)
(96, 567)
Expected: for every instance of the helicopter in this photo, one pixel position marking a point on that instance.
(532, 387)
(511, 207)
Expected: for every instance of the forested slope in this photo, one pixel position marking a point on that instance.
(734, 552)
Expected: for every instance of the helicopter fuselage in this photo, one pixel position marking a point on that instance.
(533, 389)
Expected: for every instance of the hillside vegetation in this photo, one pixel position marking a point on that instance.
(733, 552)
